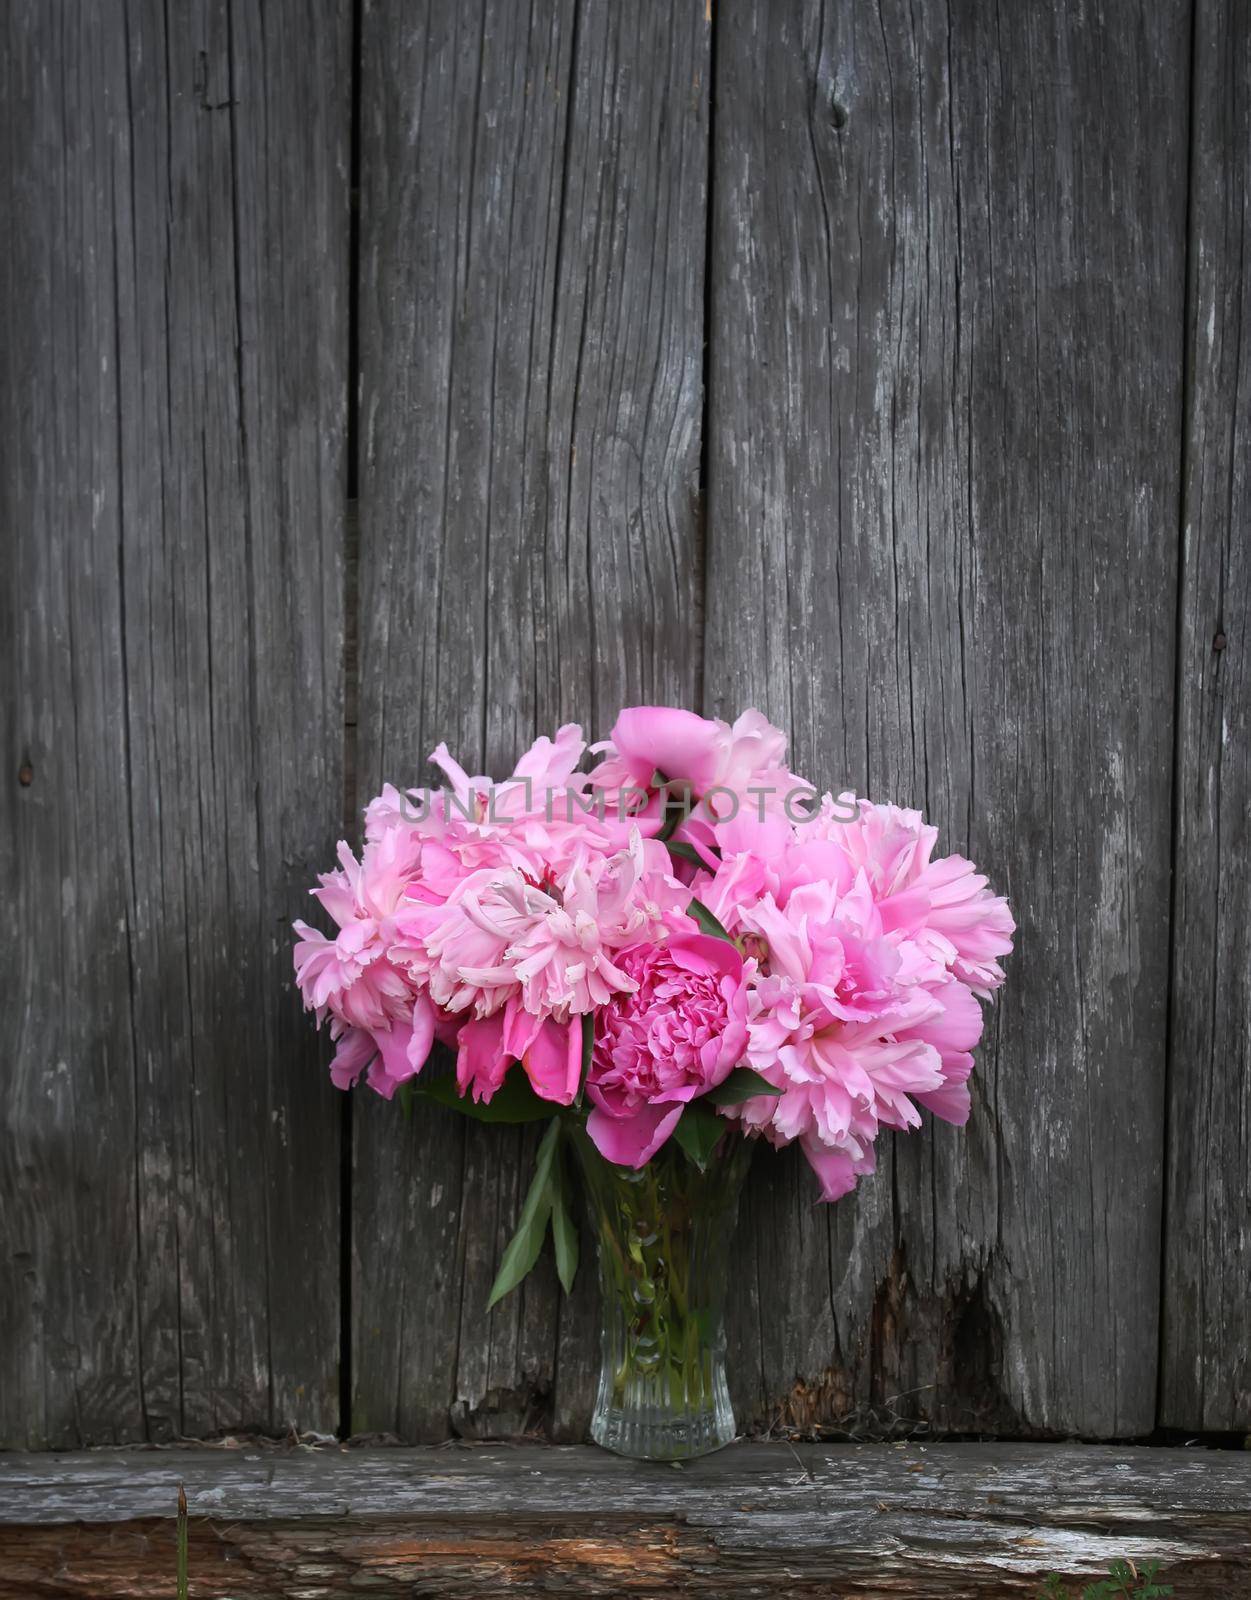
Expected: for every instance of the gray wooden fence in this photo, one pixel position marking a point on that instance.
(385, 373)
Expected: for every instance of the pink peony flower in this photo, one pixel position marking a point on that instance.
(944, 905)
(850, 1026)
(536, 820)
(737, 767)
(497, 917)
(676, 1034)
(379, 1020)
(550, 1053)
(678, 744)
(552, 942)
(391, 1054)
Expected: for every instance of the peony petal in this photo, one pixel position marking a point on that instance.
(952, 1102)
(836, 1169)
(553, 1062)
(706, 954)
(422, 1041)
(356, 1050)
(481, 1060)
(521, 1028)
(402, 1050)
(632, 1141)
(678, 744)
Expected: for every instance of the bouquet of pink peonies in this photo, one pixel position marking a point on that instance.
(685, 946)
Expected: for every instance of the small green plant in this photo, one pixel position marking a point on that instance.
(1124, 1582)
(182, 1543)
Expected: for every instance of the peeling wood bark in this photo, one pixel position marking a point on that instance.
(172, 396)
(1206, 1379)
(947, 273)
(966, 1520)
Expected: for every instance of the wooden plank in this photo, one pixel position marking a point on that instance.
(173, 395)
(906, 1520)
(946, 306)
(532, 236)
(1206, 1378)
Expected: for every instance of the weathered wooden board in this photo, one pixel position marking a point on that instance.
(532, 238)
(172, 400)
(1206, 1378)
(946, 260)
(947, 272)
(883, 1520)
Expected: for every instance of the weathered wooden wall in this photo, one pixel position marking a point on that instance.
(1205, 1380)
(837, 360)
(948, 262)
(172, 410)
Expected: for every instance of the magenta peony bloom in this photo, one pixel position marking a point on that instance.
(550, 1053)
(678, 1033)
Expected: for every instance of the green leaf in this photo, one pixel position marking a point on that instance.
(707, 922)
(699, 1131)
(523, 1248)
(404, 1094)
(674, 815)
(742, 1084)
(513, 1101)
(564, 1231)
(688, 852)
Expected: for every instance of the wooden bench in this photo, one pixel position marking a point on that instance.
(780, 1520)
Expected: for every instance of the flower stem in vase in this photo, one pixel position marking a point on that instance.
(664, 1236)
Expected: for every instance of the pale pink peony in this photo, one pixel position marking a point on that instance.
(944, 905)
(737, 767)
(677, 1034)
(552, 943)
(379, 1020)
(535, 820)
(852, 1025)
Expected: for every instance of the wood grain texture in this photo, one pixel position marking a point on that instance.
(531, 327)
(946, 249)
(173, 395)
(946, 309)
(1206, 1378)
(949, 1520)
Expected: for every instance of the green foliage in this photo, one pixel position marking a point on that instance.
(699, 1131)
(182, 1543)
(564, 1228)
(742, 1084)
(707, 922)
(524, 1246)
(1125, 1582)
(513, 1101)
(547, 1201)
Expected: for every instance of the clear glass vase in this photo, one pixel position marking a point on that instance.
(664, 1234)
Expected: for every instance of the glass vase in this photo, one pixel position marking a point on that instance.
(664, 1234)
